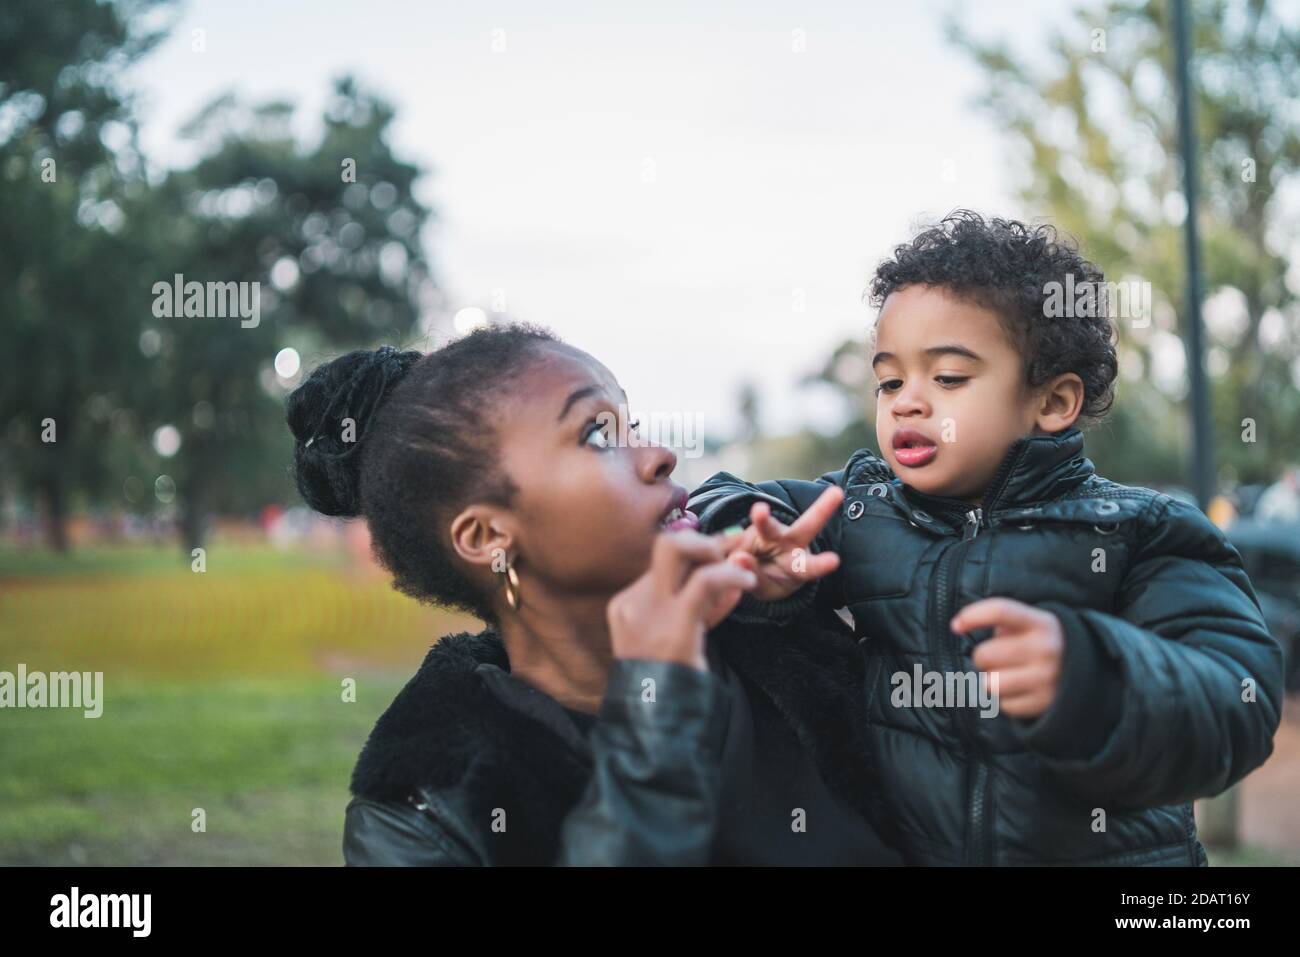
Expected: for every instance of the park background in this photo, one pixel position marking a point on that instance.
(696, 194)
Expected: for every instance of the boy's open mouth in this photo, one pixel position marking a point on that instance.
(912, 449)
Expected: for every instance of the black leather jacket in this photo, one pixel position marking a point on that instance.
(1171, 686)
(655, 773)
(472, 766)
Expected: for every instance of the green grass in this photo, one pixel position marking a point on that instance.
(267, 760)
(221, 691)
(119, 560)
(253, 612)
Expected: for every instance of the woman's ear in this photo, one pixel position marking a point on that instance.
(1060, 402)
(479, 536)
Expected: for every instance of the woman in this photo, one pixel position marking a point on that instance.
(590, 722)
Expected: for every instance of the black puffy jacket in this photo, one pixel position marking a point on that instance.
(1171, 685)
(759, 760)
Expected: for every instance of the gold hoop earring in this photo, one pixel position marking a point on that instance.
(512, 587)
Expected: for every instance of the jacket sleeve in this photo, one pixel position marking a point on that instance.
(653, 796)
(1177, 694)
(654, 793)
(389, 834)
(725, 500)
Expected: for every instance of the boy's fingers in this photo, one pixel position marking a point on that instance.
(1015, 682)
(995, 613)
(817, 565)
(998, 653)
(761, 519)
(1025, 705)
(807, 525)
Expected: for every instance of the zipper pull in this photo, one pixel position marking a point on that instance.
(974, 518)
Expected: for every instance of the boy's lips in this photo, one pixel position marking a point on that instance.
(912, 449)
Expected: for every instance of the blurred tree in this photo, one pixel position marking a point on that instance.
(67, 160)
(1094, 135)
(330, 232)
(324, 239)
(1093, 132)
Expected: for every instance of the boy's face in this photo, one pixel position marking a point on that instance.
(952, 395)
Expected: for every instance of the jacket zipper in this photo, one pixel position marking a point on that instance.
(978, 850)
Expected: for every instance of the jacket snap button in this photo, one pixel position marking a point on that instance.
(1107, 508)
(1025, 527)
(1106, 529)
(923, 516)
(855, 510)
(879, 490)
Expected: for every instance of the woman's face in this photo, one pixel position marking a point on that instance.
(586, 510)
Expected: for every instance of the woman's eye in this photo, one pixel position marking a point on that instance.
(598, 433)
(950, 380)
(634, 424)
(888, 385)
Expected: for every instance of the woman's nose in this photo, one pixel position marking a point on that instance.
(657, 462)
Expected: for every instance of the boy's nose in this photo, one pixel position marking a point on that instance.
(909, 403)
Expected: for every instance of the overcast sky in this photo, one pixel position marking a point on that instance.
(664, 189)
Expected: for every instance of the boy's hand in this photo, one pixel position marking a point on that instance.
(784, 563)
(1026, 651)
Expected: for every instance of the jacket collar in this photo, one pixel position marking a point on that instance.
(1036, 468)
(464, 726)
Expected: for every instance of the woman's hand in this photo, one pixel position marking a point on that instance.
(691, 585)
(784, 561)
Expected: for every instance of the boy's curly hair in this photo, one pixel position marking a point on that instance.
(1007, 266)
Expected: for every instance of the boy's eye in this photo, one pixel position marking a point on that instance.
(888, 385)
(950, 380)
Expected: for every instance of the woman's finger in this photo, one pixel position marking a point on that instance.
(676, 553)
(744, 560)
(705, 591)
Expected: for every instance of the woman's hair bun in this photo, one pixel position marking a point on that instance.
(327, 467)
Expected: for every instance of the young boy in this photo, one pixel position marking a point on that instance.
(1056, 664)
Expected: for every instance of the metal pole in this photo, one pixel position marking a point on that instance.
(1202, 437)
(1217, 819)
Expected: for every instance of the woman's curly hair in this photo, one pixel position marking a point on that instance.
(1009, 268)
